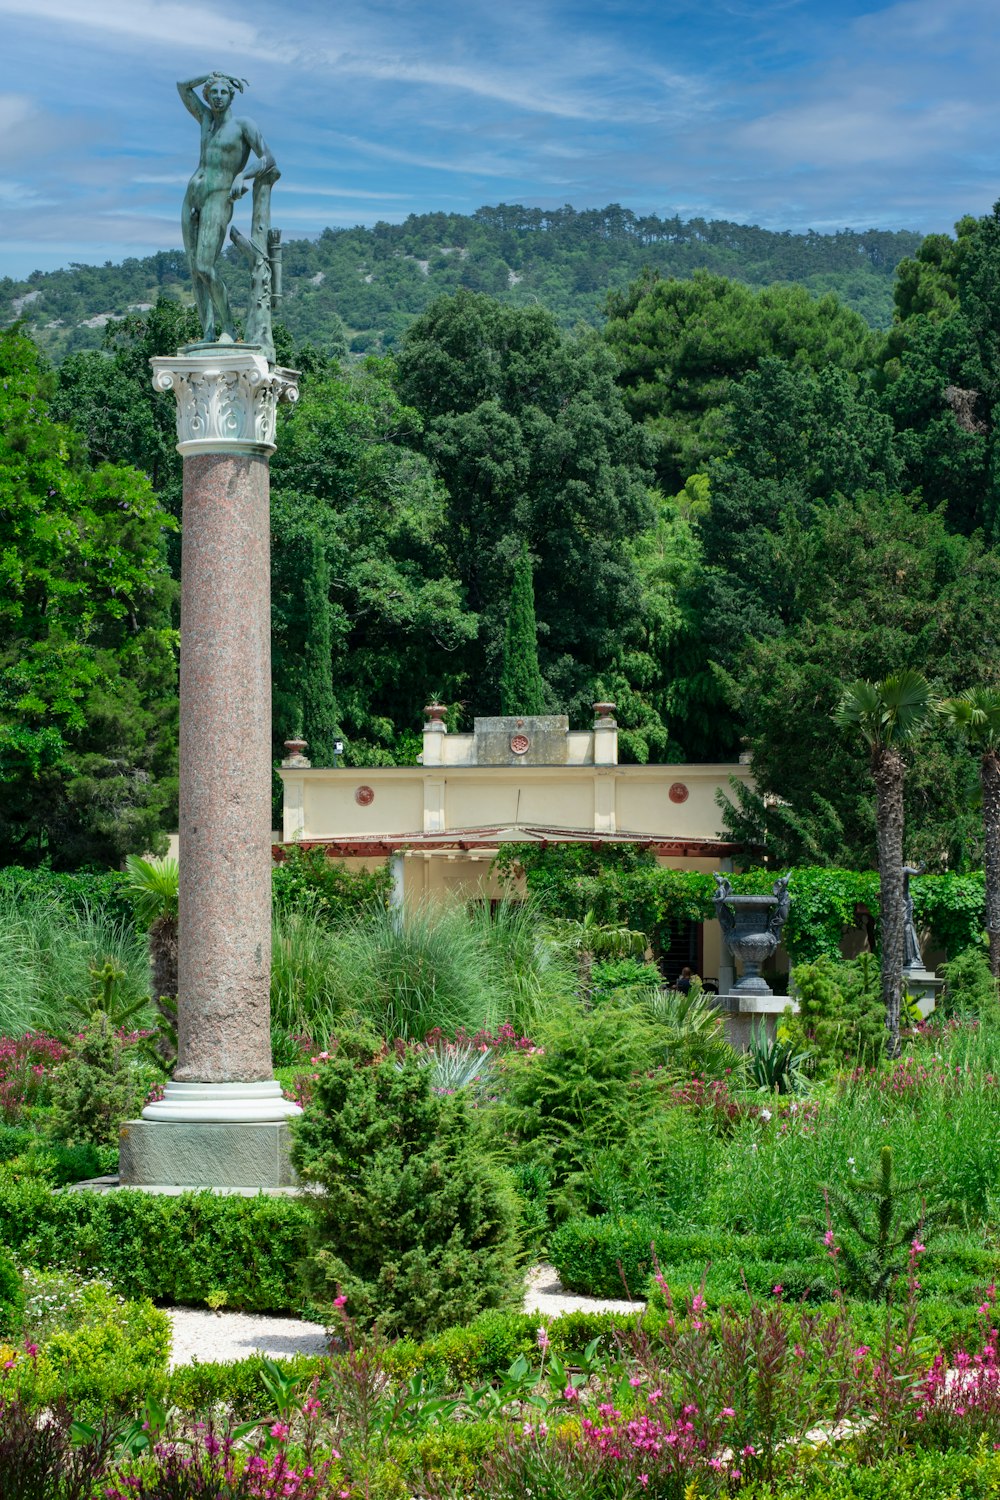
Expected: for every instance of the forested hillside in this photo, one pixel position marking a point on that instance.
(731, 501)
(361, 288)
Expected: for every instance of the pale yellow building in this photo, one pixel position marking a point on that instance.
(512, 780)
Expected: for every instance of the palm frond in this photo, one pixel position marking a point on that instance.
(860, 707)
(977, 715)
(152, 885)
(908, 704)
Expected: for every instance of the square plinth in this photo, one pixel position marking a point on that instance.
(164, 1153)
(744, 1014)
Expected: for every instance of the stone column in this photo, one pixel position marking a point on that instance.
(226, 398)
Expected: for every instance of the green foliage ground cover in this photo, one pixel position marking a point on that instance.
(621, 1137)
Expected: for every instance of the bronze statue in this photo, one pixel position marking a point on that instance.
(222, 177)
(912, 956)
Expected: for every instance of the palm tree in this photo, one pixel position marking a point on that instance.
(889, 715)
(590, 940)
(977, 715)
(152, 885)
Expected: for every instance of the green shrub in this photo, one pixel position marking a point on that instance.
(79, 891)
(237, 1386)
(325, 890)
(416, 1225)
(586, 1085)
(970, 989)
(95, 1088)
(912, 1476)
(23, 1153)
(627, 979)
(173, 1250)
(114, 1358)
(11, 1298)
(600, 1257)
(841, 1014)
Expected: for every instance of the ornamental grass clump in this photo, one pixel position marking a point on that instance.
(416, 1225)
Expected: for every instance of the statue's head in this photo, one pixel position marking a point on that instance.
(218, 94)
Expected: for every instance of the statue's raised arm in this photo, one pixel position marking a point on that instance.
(198, 107)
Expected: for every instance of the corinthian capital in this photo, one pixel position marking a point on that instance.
(226, 399)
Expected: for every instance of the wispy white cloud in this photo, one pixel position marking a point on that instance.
(147, 21)
(774, 111)
(322, 190)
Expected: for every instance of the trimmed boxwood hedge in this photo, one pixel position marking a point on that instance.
(172, 1249)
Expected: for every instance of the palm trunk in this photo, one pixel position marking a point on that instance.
(163, 957)
(989, 773)
(888, 772)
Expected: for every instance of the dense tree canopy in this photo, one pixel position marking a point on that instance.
(528, 434)
(681, 345)
(87, 656)
(358, 525)
(733, 501)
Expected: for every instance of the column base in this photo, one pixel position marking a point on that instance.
(247, 1155)
(222, 1103)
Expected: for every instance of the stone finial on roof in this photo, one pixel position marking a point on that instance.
(295, 758)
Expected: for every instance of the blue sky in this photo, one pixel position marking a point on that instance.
(787, 113)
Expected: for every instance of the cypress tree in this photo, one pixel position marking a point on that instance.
(319, 706)
(521, 689)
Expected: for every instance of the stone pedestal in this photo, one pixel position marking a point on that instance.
(223, 1083)
(204, 1154)
(743, 1013)
(925, 986)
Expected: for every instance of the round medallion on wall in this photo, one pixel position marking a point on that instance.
(678, 792)
(364, 796)
(520, 744)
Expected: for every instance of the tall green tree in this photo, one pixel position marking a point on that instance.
(521, 688)
(682, 345)
(795, 440)
(362, 591)
(889, 716)
(939, 373)
(529, 435)
(88, 709)
(874, 586)
(977, 715)
(320, 717)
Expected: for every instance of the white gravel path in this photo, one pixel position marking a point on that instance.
(543, 1293)
(219, 1337)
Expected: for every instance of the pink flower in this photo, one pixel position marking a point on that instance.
(644, 1480)
(918, 1248)
(280, 1431)
(571, 1393)
(340, 1301)
(728, 1411)
(542, 1338)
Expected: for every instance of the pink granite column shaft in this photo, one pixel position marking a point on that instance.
(225, 772)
